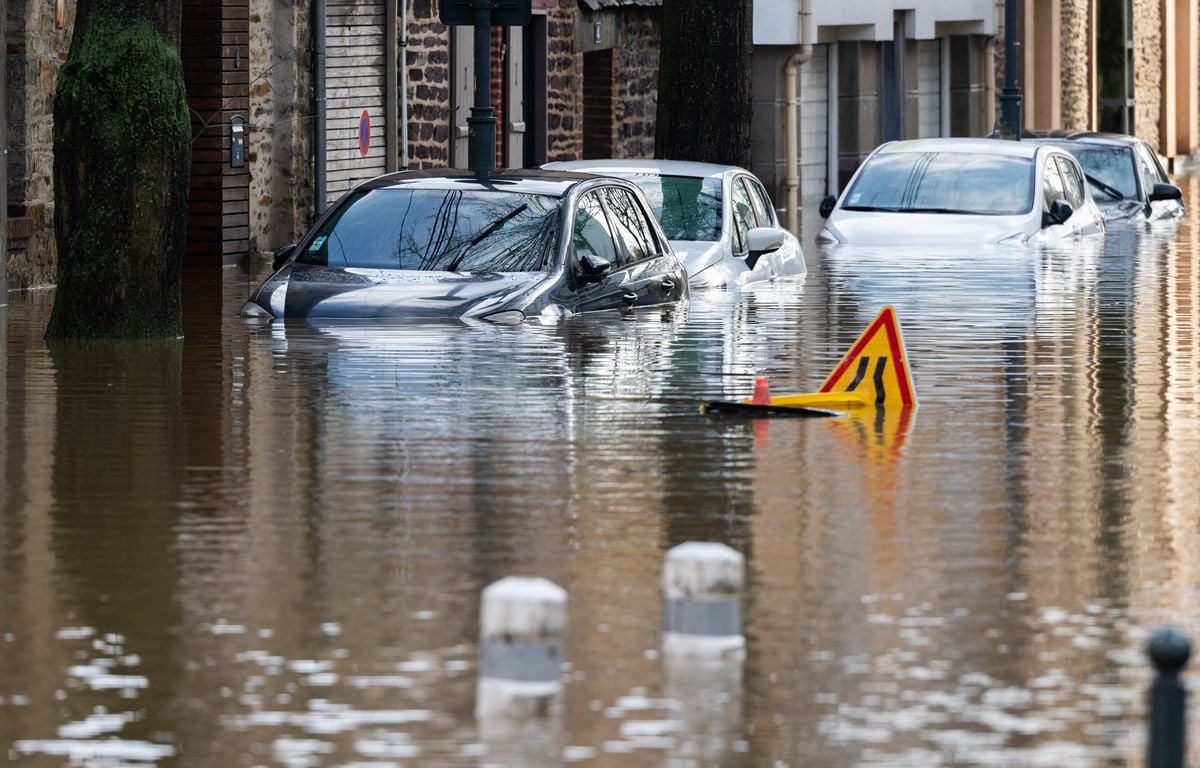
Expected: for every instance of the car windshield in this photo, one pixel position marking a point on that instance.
(438, 230)
(943, 182)
(1110, 171)
(687, 207)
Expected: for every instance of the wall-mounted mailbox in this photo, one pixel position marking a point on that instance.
(237, 142)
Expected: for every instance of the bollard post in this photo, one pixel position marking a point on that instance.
(1169, 649)
(703, 649)
(702, 596)
(522, 629)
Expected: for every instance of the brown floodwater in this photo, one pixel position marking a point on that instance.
(265, 545)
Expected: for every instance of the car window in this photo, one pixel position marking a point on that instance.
(761, 217)
(1149, 168)
(758, 190)
(1110, 171)
(1072, 183)
(743, 218)
(687, 207)
(630, 224)
(592, 232)
(943, 182)
(438, 229)
(1052, 184)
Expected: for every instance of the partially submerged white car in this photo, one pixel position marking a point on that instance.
(962, 191)
(719, 218)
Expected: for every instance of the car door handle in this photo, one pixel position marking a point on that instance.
(630, 297)
(668, 285)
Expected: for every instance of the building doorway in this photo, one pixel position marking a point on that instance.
(216, 73)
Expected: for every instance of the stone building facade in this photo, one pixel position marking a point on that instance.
(1115, 65)
(262, 50)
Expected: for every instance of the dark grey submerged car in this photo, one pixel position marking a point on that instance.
(516, 245)
(1124, 173)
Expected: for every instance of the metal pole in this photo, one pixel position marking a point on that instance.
(1169, 650)
(320, 150)
(404, 85)
(481, 125)
(1010, 97)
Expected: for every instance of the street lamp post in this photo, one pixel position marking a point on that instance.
(1010, 96)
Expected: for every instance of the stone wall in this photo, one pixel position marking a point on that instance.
(564, 86)
(36, 47)
(428, 61)
(636, 97)
(1147, 70)
(279, 150)
(1076, 64)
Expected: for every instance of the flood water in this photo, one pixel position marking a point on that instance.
(265, 546)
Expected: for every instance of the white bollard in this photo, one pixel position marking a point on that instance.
(702, 596)
(523, 625)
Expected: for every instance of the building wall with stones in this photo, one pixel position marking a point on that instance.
(1148, 83)
(427, 58)
(637, 86)
(279, 149)
(279, 129)
(38, 37)
(1076, 64)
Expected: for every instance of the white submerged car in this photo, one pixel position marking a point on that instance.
(719, 218)
(963, 191)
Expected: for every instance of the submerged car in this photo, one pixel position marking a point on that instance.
(509, 246)
(1125, 175)
(962, 191)
(719, 218)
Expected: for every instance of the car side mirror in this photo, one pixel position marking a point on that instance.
(1059, 212)
(1165, 192)
(282, 256)
(593, 267)
(827, 206)
(761, 241)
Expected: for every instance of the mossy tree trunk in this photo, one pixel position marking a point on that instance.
(122, 157)
(704, 105)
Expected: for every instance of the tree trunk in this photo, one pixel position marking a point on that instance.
(122, 157)
(704, 106)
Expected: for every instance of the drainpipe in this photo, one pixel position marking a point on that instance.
(404, 85)
(791, 129)
(321, 151)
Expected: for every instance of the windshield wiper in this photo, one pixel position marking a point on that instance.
(940, 210)
(483, 233)
(889, 209)
(1112, 192)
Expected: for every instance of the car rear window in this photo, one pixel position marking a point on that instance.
(687, 207)
(943, 182)
(438, 229)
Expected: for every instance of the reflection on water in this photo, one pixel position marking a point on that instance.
(265, 545)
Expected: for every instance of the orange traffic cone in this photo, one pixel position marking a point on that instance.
(762, 392)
